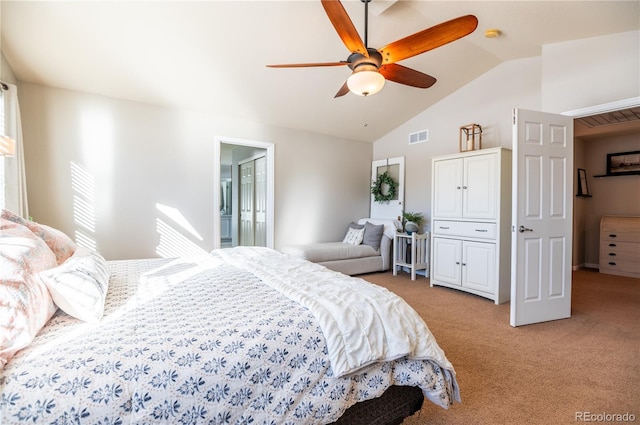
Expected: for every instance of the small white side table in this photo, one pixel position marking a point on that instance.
(411, 251)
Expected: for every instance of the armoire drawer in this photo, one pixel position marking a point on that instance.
(467, 229)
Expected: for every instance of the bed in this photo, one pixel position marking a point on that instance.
(240, 335)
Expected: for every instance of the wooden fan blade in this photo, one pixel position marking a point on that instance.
(344, 26)
(306, 65)
(343, 90)
(407, 76)
(428, 39)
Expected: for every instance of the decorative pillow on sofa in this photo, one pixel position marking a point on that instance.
(61, 245)
(373, 235)
(354, 225)
(25, 302)
(354, 236)
(79, 286)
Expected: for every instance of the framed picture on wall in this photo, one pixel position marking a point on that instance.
(622, 163)
(583, 187)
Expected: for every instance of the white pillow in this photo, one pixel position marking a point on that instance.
(79, 285)
(354, 236)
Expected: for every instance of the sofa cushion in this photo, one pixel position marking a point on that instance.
(354, 236)
(391, 226)
(373, 235)
(329, 251)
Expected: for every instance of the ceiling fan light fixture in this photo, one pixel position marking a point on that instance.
(365, 83)
(492, 33)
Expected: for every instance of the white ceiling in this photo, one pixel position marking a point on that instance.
(212, 54)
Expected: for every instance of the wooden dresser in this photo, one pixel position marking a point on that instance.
(620, 245)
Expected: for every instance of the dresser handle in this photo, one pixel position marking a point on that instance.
(612, 244)
(482, 230)
(443, 228)
(612, 254)
(611, 263)
(613, 236)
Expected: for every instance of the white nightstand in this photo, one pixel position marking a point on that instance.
(411, 251)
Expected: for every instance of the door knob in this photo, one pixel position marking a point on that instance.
(523, 229)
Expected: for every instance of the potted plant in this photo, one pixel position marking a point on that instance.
(411, 221)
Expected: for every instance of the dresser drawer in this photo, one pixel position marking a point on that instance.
(619, 228)
(621, 236)
(620, 223)
(617, 266)
(467, 229)
(633, 255)
(613, 246)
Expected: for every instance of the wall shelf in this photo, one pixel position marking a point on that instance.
(630, 173)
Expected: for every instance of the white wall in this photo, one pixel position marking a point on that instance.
(107, 162)
(592, 71)
(6, 73)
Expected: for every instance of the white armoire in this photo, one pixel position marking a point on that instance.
(471, 220)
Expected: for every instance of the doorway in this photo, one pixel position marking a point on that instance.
(252, 201)
(243, 209)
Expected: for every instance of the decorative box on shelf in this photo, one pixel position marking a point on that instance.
(411, 251)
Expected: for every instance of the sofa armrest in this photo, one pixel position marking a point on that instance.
(386, 249)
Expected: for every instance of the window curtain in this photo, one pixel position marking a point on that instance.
(12, 170)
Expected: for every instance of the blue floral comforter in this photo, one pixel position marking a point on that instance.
(190, 341)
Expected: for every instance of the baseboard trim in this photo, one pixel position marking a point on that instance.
(586, 266)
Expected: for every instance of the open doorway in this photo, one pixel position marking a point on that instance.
(599, 131)
(243, 193)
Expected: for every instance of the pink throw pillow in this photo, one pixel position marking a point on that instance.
(61, 245)
(25, 302)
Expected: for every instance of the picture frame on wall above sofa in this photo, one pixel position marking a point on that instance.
(623, 163)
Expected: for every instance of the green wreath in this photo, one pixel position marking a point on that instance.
(384, 181)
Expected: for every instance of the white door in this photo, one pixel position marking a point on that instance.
(542, 214)
(246, 204)
(260, 202)
(395, 168)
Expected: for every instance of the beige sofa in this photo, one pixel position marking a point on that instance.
(353, 259)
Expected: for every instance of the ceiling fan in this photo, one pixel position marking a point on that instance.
(371, 67)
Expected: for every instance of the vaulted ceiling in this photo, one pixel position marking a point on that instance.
(212, 54)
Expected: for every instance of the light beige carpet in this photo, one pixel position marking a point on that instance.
(549, 373)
